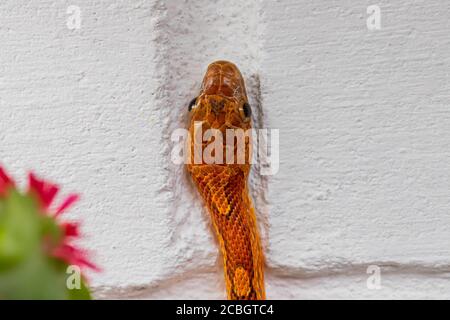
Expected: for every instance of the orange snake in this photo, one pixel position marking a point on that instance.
(222, 104)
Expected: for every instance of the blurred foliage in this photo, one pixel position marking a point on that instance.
(27, 270)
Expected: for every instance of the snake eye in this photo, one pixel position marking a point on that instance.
(192, 103)
(246, 110)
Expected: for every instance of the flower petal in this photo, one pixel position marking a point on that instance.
(45, 191)
(71, 229)
(5, 181)
(69, 201)
(73, 256)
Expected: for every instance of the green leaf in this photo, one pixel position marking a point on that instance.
(35, 278)
(19, 229)
(80, 294)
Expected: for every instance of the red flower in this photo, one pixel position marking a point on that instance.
(64, 250)
(45, 192)
(5, 182)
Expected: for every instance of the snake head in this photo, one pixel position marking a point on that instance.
(222, 104)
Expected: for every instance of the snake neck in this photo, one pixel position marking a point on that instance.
(225, 192)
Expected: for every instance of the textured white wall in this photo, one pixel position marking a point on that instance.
(364, 124)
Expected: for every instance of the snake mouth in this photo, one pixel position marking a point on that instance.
(223, 78)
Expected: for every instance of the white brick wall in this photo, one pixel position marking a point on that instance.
(364, 124)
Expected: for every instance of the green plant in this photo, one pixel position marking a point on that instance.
(36, 247)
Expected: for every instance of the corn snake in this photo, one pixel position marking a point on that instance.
(223, 104)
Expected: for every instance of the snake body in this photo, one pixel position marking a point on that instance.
(222, 104)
